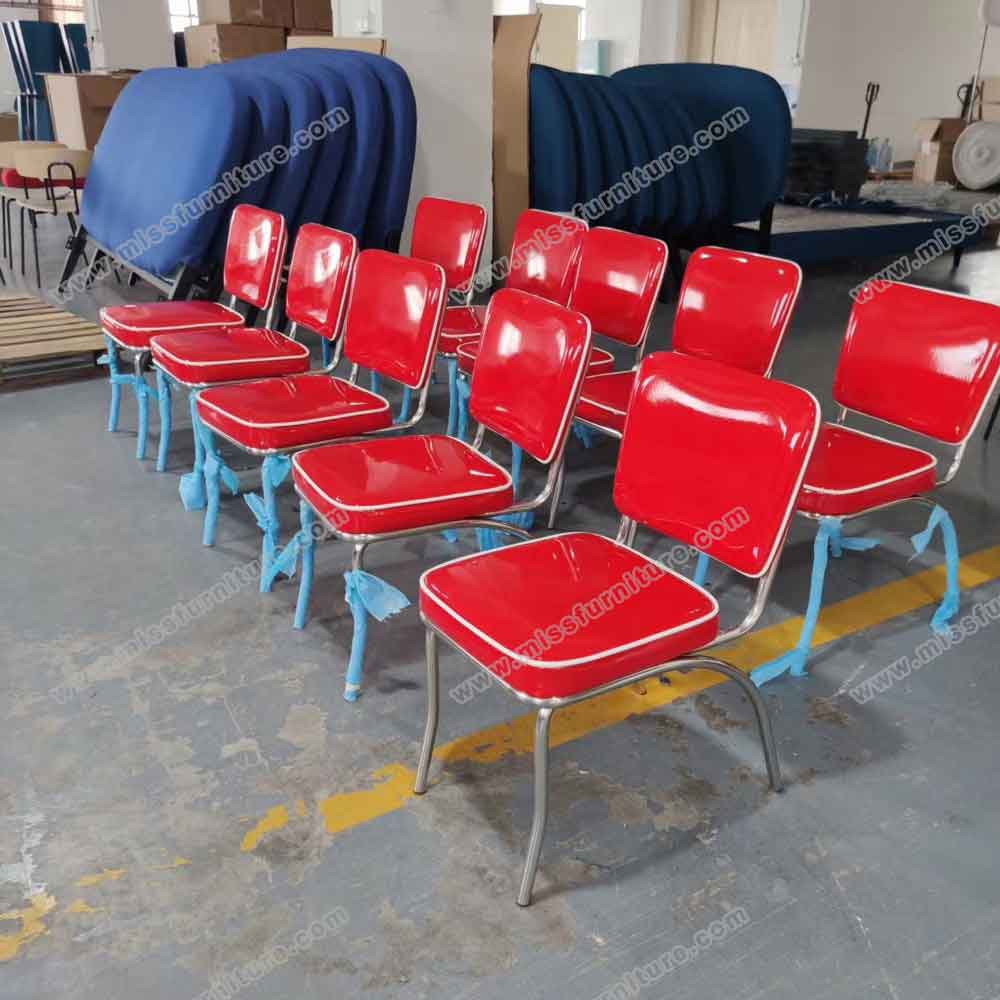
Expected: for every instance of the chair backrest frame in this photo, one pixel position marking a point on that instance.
(452, 234)
(255, 257)
(545, 255)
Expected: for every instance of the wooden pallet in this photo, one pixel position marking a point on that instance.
(31, 331)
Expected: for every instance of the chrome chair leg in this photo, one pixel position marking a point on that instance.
(557, 495)
(433, 711)
(541, 805)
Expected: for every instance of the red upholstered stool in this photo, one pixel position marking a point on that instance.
(581, 614)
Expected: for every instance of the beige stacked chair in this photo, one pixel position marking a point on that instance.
(52, 178)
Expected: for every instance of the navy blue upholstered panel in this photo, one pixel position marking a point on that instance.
(553, 144)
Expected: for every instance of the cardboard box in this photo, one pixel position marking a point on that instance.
(936, 138)
(514, 38)
(990, 112)
(989, 92)
(81, 104)
(10, 130)
(314, 15)
(262, 13)
(369, 43)
(219, 43)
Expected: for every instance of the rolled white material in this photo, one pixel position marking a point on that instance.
(976, 158)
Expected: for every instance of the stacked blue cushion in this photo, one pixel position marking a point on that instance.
(588, 131)
(354, 174)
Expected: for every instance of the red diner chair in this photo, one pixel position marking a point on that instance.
(916, 359)
(200, 357)
(617, 287)
(543, 261)
(648, 620)
(255, 255)
(274, 417)
(525, 389)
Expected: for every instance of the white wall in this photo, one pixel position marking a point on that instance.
(446, 46)
(664, 31)
(620, 23)
(918, 50)
(130, 34)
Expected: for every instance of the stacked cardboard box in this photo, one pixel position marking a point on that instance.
(238, 29)
(990, 106)
(936, 138)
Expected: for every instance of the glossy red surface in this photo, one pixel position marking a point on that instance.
(210, 356)
(394, 316)
(133, 325)
(450, 233)
(851, 472)
(920, 359)
(735, 308)
(319, 279)
(546, 255)
(391, 484)
(618, 283)
(601, 361)
(255, 255)
(604, 400)
(10, 178)
(461, 324)
(577, 612)
(279, 413)
(529, 371)
(714, 457)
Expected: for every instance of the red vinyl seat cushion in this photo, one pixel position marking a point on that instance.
(604, 400)
(461, 323)
(209, 356)
(851, 472)
(132, 326)
(279, 413)
(575, 612)
(392, 484)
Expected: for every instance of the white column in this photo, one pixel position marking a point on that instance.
(129, 34)
(446, 47)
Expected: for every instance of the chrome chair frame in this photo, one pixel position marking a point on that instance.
(547, 707)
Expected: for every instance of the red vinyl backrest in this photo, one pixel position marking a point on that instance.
(452, 234)
(546, 255)
(529, 371)
(921, 359)
(735, 307)
(394, 315)
(255, 255)
(715, 457)
(319, 279)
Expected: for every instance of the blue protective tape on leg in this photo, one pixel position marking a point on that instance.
(940, 518)
(213, 476)
(192, 487)
(796, 661)
(307, 541)
(406, 407)
(143, 394)
(367, 595)
(273, 473)
(327, 352)
(585, 435)
(111, 360)
(165, 394)
(453, 401)
(701, 570)
(463, 390)
(516, 465)
(376, 382)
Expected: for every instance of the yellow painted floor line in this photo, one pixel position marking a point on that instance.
(392, 787)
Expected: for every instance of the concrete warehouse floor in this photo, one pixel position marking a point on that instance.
(173, 819)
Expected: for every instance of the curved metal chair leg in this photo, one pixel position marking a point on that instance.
(541, 805)
(760, 710)
(433, 711)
